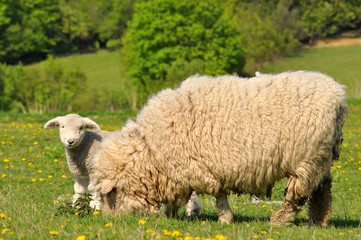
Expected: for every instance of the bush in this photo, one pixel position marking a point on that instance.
(166, 33)
(50, 90)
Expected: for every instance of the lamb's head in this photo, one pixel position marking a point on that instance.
(72, 128)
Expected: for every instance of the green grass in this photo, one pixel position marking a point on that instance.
(342, 63)
(102, 68)
(34, 174)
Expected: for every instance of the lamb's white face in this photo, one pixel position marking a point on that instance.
(72, 128)
(71, 132)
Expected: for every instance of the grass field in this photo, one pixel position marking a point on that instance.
(34, 178)
(342, 63)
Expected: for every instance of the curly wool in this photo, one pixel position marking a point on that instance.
(214, 134)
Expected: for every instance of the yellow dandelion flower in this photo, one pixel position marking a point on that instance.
(220, 237)
(176, 234)
(3, 175)
(269, 238)
(2, 215)
(96, 212)
(350, 231)
(341, 233)
(109, 224)
(41, 179)
(264, 205)
(142, 222)
(263, 232)
(54, 233)
(23, 159)
(40, 171)
(63, 176)
(150, 231)
(350, 189)
(346, 179)
(56, 160)
(35, 143)
(6, 160)
(50, 176)
(166, 232)
(80, 238)
(57, 201)
(33, 180)
(197, 238)
(188, 238)
(255, 236)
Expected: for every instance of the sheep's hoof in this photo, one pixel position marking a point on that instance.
(227, 219)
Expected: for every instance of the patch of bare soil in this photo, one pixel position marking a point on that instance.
(347, 38)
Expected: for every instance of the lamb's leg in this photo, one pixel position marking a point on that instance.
(80, 187)
(225, 214)
(95, 203)
(319, 207)
(193, 205)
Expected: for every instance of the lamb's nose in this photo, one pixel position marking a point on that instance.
(70, 142)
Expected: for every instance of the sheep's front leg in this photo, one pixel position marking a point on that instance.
(193, 205)
(80, 187)
(171, 211)
(225, 214)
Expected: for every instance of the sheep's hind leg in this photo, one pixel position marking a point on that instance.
(319, 206)
(225, 214)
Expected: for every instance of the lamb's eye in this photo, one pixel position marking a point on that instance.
(62, 126)
(81, 128)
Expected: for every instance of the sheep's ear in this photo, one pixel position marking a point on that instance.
(91, 124)
(107, 185)
(52, 123)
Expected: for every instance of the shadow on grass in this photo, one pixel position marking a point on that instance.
(210, 217)
(342, 223)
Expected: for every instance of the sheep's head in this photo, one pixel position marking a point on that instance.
(72, 128)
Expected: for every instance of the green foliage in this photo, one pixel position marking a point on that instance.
(86, 22)
(164, 31)
(29, 29)
(49, 89)
(325, 18)
(80, 208)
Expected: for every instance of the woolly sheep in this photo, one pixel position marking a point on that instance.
(215, 135)
(80, 145)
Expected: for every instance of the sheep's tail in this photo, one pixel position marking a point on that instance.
(340, 121)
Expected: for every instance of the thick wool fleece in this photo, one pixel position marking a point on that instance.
(225, 133)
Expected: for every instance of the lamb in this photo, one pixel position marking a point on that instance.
(213, 135)
(80, 145)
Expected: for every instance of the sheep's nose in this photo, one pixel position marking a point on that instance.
(71, 142)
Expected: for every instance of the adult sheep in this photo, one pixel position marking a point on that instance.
(213, 135)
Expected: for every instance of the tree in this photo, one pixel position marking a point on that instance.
(28, 29)
(167, 34)
(86, 22)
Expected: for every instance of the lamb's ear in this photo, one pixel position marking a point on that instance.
(90, 124)
(52, 123)
(107, 185)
